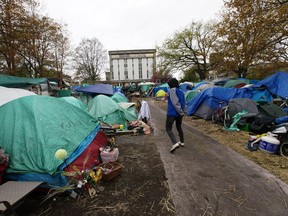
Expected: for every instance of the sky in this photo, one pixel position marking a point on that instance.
(128, 24)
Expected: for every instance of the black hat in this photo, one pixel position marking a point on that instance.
(173, 83)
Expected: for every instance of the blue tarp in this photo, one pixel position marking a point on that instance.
(276, 84)
(100, 88)
(214, 95)
(164, 87)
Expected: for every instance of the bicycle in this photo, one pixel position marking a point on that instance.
(221, 114)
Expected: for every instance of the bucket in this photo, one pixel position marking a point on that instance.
(269, 144)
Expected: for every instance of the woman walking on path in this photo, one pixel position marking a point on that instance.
(175, 112)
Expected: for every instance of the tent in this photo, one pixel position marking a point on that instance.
(34, 127)
(146, 86)
(164, 87)
(276, 84)
(9, 94)
(74, 101)
(190, 94)
(160, 93)
(97, 89)
(105, 109)
(186, 86)
(118, 97)
(203, 104)
(236, 83)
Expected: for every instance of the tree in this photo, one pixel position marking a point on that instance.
(12, 14)
(253, 33)
(190, 47)
(90, 59)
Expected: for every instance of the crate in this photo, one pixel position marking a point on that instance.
(111, 170)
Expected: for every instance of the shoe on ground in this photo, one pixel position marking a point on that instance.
(174, 147)
(181, 144)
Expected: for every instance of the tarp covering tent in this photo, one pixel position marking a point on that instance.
(118, 98)
(34, 127)
(203, 104)
(9, 94)
(74, 101)
(234, 82)
(107, 110)
(96, 89)
(190, 94)
(186, 86)
(146, 86)
(237, 105)
(131, 113)
(276, 84)
(20, 82)
(164, 87)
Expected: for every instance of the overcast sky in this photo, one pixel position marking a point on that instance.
(128, 24)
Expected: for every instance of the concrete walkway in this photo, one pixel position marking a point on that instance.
(207, 178)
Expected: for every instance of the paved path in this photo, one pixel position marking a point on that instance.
(206, 178)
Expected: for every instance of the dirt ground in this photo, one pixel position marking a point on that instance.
(142, 187)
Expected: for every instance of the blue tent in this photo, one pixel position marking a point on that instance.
(203, 104)
(97, 89)
(186, 86)
(164, 87)
(276, 84)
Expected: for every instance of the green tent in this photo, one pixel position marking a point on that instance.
(118, 98)
(234, 82)
(190, 95)
(74, 101)
(105, 109)
(34, 127)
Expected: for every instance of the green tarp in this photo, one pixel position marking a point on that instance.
(107, 110)
(34, 127)
(74, 101)
(20, 82)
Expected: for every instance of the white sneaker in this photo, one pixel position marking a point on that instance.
(181, 144)
(174, 147)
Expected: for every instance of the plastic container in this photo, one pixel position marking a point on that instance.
(269, 144)
(109, 156)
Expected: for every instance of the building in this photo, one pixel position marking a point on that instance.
(131, 65)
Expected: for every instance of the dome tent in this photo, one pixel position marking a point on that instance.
(34, 128)
(105, 109)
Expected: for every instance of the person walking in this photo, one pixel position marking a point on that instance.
(175, 112)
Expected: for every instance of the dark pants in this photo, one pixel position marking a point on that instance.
(169, 123)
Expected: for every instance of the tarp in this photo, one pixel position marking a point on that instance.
(118, 98)
(9, 94)
(191, 94)
(203, 104)
(186, 86)
(234, 82)
(33, 128)
(276, 84)
(74, 101)
(107, 110)
(237, 105)
(20, 82)
(164, 87)
(97, 89)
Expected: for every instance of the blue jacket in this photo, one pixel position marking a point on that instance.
(176, 103)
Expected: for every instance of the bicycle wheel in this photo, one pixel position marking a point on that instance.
(227, 120)
(214, 117)
(284, 149)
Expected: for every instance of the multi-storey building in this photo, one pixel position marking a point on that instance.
(131, 65)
